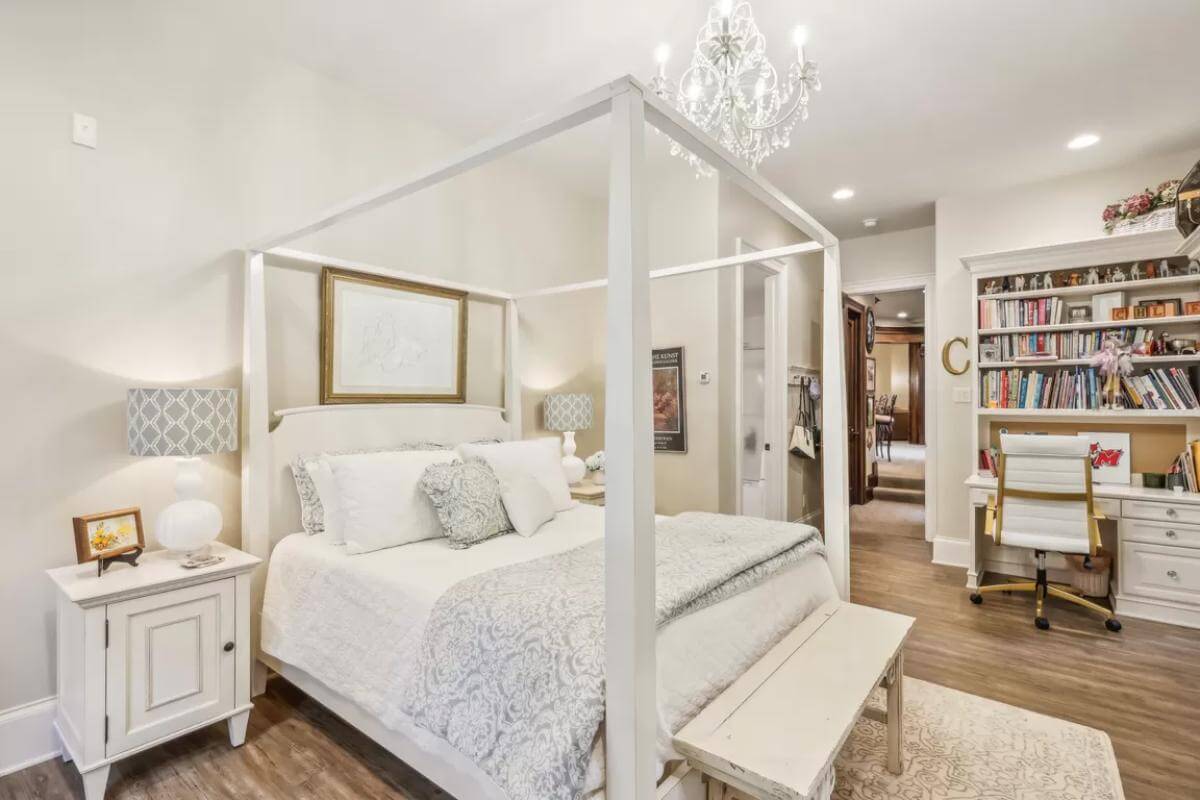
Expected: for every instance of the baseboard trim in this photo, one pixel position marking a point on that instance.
(951, 552)
(27, 735)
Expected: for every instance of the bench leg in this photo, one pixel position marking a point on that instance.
(716, 788)
(895, 715)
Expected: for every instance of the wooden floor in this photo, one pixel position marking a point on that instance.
(1140, 686)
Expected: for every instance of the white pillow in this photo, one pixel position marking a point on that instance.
(382, 503)
(527, 503)
(331, 507)
(541, 458)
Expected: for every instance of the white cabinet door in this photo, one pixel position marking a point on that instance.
(168, 666)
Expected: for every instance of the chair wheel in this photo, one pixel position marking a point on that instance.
(976, 598)
(1113, 625)
(1042, 623)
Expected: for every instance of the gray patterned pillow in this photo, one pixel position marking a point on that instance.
(312, 514)
(466, 495)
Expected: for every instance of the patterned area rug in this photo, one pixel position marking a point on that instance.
(961, 747)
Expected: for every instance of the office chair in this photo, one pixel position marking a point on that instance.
(1043, 502)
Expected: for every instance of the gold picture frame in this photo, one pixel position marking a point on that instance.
(406, 324)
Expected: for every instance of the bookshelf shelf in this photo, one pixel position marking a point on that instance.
(1144, 285)
(1156, 322)
(1141, 415)
(1083, 362)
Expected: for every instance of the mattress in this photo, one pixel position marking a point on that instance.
(353, 622)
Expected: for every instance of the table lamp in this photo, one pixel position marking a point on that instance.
(567, 413)
(185, 423)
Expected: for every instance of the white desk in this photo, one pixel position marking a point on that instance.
(1156, 544)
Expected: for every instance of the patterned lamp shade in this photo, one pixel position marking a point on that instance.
(182, 422)
(568, 412)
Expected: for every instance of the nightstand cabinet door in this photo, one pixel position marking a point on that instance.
(168, 666)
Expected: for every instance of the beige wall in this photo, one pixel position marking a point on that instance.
(124, 263)
(891, 372)
(1045, 213)
(887, 255)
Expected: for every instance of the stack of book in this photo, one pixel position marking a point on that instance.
(1185, 464)
(1080, 389)
(1064, 344)
(988, 463)
(1012, 313)
(1171, 388)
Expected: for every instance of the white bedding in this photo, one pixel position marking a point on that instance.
(353, 622)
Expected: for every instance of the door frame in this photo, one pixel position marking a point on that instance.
(775, 423)
(930, 394)
(856, 455)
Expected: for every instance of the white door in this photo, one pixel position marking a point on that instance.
(168, 666)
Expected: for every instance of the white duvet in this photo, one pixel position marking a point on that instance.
(353, 622)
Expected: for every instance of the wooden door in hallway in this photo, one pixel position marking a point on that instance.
(916, 392)
(856, 397)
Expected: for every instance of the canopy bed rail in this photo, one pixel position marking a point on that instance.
(269, 508)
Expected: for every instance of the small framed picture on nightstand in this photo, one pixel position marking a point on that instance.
(108, 534)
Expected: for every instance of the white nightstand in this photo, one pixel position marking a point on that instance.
(148, 653)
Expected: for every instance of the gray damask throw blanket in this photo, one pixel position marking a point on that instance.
(511, 668)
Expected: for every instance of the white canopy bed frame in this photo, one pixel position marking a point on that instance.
(269, 507)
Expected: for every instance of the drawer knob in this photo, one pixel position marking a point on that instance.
(1172, 574)
(1172, 512)
(1172, 535)
(229, 647)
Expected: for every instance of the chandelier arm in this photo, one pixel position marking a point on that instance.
(801, 100)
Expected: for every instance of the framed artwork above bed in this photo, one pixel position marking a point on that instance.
(386, 340)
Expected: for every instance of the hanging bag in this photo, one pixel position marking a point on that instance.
(802, 442)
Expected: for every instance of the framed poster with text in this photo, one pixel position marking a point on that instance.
(670, 410)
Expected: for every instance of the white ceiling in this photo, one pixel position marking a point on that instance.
(922, 98)
(887, 310)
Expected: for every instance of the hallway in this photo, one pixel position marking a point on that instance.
(898, 507)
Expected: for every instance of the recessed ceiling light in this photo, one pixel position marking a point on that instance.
(1083, 140)
(902, 314)
(870, 222)
(845, 193)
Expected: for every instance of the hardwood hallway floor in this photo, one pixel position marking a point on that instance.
(1139, 686)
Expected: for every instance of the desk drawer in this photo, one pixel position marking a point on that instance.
(1165, 533)
(1166, 573)
(1163, 512)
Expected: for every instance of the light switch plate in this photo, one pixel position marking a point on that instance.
(83, 130)
(705, 378)
(962, 394)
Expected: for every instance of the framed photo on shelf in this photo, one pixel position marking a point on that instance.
(870, 376)
(1104, 304)
(1080, 312)
(871, 412)
(1191, 308)
(108, 534)
(989, 353)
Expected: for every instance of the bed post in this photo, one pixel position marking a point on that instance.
(512, 369)
(833, 424)
(255, 457)
(630, 725)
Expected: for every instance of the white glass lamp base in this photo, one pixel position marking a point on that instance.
(572, 465)
(190, 524)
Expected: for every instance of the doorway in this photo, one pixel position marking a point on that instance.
(760, 488)
(894, 391)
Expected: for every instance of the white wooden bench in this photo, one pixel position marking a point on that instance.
(775, 732)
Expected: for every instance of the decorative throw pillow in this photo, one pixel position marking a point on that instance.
(331, 507)
(541, 458)
(466, 495)
(312, 514)
(527, 503)
(382, 504)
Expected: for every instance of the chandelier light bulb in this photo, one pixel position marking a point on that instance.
(693, 91)
(662, 53)
(725, 7)
(800, 38)
(760, 88)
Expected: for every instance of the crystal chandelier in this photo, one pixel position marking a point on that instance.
(732, 92)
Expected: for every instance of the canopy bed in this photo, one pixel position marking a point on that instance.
(322, 606)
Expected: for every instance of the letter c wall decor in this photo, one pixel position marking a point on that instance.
(946, 355)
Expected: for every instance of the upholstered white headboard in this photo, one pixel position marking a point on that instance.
(331, 428)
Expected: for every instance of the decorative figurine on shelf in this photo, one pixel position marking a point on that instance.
(1019, 283)
(1034, 284)
(1164, 269)
(1135, 272)
(1116, 275)
(991, 287)
(1074, 279)
(1005, 285)
(1113, 362)
(1193, 267)
(1093, 277)
(1047, 281)
(1151, 270)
